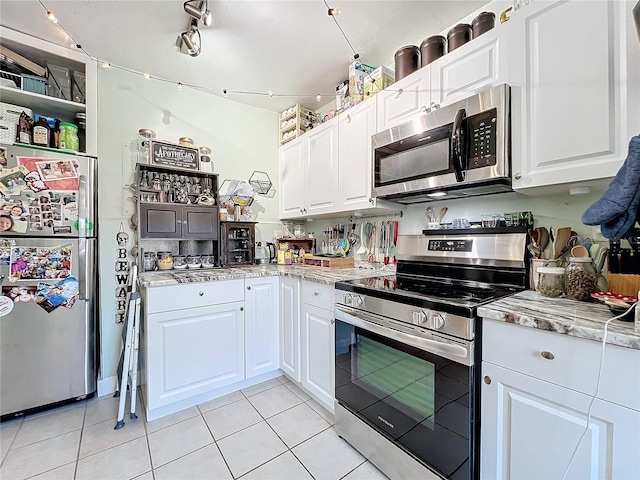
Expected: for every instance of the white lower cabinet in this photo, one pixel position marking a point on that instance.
(261, 325)
(193, 351)
(531, 424)
(290, 327)
(318, 344)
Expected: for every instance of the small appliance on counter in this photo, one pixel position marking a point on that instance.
(265, 253)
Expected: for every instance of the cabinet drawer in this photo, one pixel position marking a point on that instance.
(318, 295)
(177, 297)
(574, 364)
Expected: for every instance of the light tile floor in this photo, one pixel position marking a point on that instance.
(271, 431)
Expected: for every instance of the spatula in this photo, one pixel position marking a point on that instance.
(361, 249)
(563, 234)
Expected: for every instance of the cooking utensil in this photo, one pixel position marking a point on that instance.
(563, 235)
(593, 250)
(429, 213)
(361, 249)
(579, 251)
(371, 258)
(353, 236)
(534, 250)
(443, 211)
(543, 239)
(392, 250)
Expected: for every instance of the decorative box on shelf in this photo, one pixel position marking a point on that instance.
(294, 121)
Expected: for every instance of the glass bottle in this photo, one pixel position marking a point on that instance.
(580, 278)
(550, 281)
(144, 180)
(156, 184)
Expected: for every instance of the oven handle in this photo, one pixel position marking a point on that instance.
(453, 351)
(457, 150)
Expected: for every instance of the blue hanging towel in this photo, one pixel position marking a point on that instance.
(616, 210)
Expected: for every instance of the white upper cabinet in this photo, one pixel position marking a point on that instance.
(404, 99)
(321, 177)
(355, 128)
(292, 179)
(471, 68)
(575, 91)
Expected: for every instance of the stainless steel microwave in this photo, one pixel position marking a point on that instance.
(460, 150)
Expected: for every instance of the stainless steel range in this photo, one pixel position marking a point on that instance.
(407, 350)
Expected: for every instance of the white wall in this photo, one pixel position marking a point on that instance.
(243, 139)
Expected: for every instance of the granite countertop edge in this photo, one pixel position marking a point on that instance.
(326, 276)
(584, 320)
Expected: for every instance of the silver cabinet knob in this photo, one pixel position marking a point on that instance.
(487, 380)
(201, 294)
(242, 309)
(249, 287)
(547, 355)
(517, 176)
(315, 294)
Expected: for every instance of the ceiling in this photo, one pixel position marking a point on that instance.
(292, 48)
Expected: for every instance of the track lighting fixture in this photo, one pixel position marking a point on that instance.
(191, 39)
(201, 13)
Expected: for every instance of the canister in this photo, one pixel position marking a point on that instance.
(165, 261)
(484, 22)
(550, 281)
(432, 48)
(206, 165)
(458, 35)
(407, 61)
(145, 136)
(580, 278)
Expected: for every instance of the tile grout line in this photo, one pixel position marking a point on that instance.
(12, 442)
(215, 441)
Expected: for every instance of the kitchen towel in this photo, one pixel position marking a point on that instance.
(616, 210)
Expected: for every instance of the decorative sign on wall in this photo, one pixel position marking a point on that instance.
(122, 268)
(171, 155)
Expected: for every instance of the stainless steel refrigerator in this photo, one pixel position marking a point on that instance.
(48, 269)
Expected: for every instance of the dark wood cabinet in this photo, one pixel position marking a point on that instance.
(181, 222)
(237, 243)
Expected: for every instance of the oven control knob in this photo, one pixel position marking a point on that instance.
(418, 317)
(347, 299)
(436, 320)
(357, 301)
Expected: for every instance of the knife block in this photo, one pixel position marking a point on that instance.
(624, 284)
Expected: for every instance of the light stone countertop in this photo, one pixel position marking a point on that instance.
(570, 317)
(327, 276)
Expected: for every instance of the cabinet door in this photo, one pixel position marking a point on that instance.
(193, 351)
(261, 325)
(292, 178)
(290, 327)
(530, 429)
(404, 99)
(200, 223)
(575, 92)
(317, 353)
(469, 69)
(355, 128)
(160, 220)
(321, 179)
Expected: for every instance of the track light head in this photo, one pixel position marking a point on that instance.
(191, 39)
(201, 13)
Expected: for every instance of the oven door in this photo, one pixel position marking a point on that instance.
(416, 392)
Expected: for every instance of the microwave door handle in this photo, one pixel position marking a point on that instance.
(457, 147)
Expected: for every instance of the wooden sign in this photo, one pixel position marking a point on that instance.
(172, 155)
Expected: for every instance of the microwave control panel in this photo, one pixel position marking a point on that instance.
(450, 245)
(481, 131)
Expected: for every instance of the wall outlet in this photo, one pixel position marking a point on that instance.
(596, 234)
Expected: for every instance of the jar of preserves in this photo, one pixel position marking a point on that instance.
(550, 281)
(580, 278)
(165, 261)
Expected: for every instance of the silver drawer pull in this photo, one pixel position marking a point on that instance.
(201, 293)
(547, 355)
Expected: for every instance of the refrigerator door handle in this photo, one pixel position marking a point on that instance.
(85, 252)
(83, 208)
